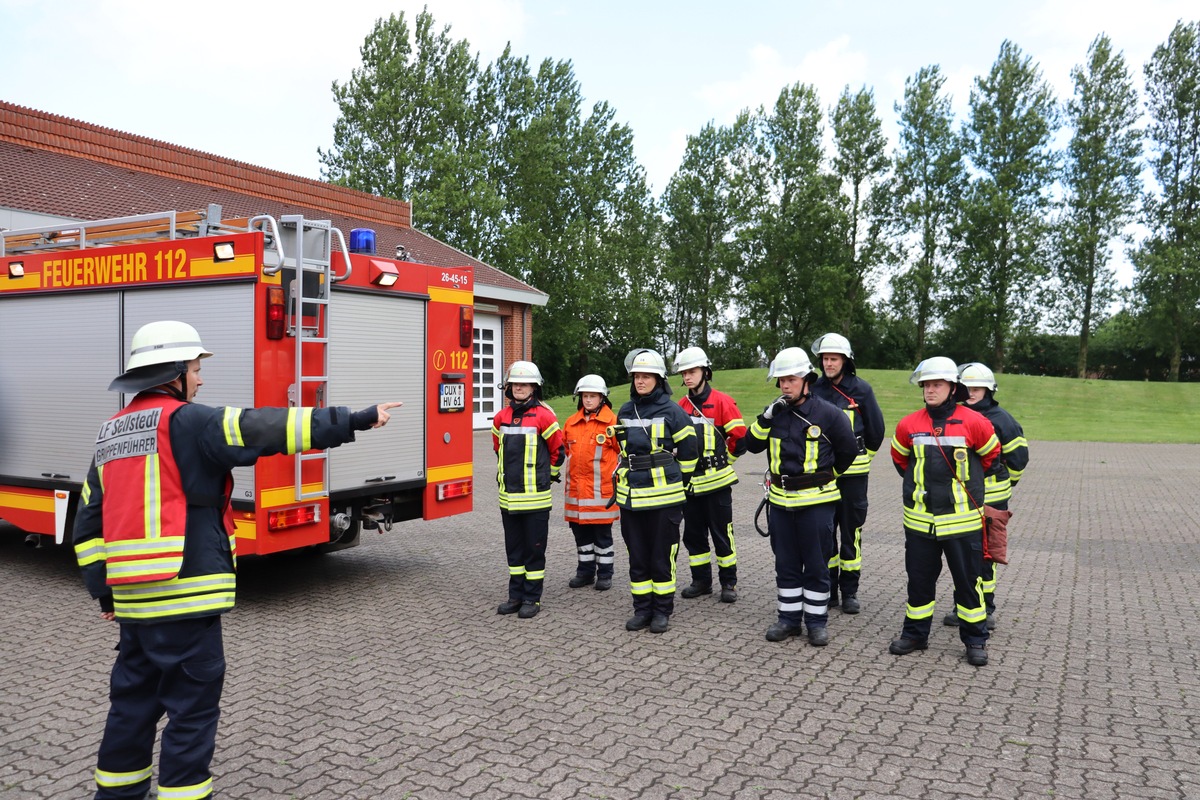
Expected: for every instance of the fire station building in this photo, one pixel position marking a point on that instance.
(54, 169)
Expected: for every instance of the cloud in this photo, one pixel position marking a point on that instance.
(829, 68)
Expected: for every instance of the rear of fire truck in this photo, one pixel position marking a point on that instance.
(293, 318)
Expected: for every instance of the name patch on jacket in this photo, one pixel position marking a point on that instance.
(129, 435)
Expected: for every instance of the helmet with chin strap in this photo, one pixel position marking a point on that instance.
(939, 368)
(837, 344)
(977, 375)
(159, 353)
(791, 361)
(690, 358)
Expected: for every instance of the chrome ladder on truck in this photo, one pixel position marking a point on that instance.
(307, 319)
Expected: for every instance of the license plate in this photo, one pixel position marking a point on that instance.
(452, 397)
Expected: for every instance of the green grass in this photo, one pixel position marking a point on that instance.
(1050, 409)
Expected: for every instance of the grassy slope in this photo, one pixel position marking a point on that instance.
(1050, 409)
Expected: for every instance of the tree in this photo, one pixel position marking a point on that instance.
(1102, 185)
(700, 255)
(409, 127)
(795, 266)
(1001, 259)
(503, 163)
(859, 162)
(577, 221)
(1167, 283)
(925, 192)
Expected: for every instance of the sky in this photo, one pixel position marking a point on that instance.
(255, 85)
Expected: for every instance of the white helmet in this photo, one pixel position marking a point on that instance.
(157, 355)
(832, 343)
(937, 368)
(522, 372)
(647, 361)
(591, 383)
(690, 357)
(791, 361)
(976, 374)
(164, 342)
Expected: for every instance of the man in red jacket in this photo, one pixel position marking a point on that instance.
(943, 451)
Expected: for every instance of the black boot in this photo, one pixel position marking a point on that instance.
(850, 604)
(603, 583)
(581, 580)
(509, 607)
(950, 620)
(818, 637)
(977, 655)
(697, 588)
(728, 594)
(903, 646)
(637, 622)
(782, 630)
(529, 610)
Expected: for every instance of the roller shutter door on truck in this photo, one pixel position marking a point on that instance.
(377, 354)
(223, 315)
(57, 356)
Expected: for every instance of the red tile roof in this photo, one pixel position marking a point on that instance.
(62, 167)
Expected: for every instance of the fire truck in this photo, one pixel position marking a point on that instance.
(294, 318)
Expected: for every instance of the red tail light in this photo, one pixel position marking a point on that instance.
(291, 517)
(466, 326)
(448, 491)
(275, 315)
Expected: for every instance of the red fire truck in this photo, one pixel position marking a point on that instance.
(293, 318)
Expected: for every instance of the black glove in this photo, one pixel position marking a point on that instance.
(779, 404)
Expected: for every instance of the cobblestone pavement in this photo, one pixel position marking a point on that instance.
(384, 671)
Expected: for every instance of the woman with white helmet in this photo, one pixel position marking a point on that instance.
(658, 455)
(1004, 473)
(587, 498)
(809, 443)
(529, 452)
(709, 508)
(943, 451)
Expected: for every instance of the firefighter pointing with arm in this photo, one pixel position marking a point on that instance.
(155, 541)
(809, 443)
(943, 452)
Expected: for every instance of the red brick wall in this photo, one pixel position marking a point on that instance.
(516, 324)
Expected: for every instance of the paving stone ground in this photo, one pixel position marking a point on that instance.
(384, 671)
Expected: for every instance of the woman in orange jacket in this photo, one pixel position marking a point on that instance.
(592, 459)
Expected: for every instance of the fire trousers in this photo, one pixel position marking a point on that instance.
(704, 514)
(525, 547)
(594, 544)
(652, 537)
(177, 668)
(923, 561)
(799, 538)
(850, 513)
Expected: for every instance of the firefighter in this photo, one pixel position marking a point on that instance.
(658, 456)
(839, 384)
(943, 452)
(529, 452)
(809, 443)
(591, 461)
(1005, 471)
(154, 537)
(709, 506)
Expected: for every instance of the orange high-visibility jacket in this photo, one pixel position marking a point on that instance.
(592, 459)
